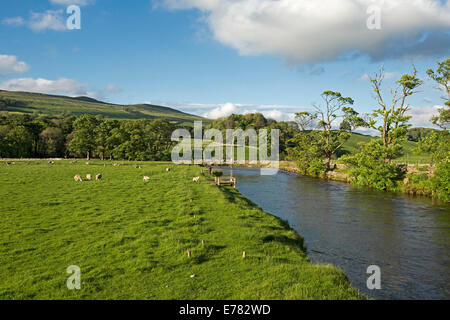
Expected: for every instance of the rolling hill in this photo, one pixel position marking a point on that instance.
(53, 105)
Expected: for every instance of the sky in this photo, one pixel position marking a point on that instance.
(217, 57)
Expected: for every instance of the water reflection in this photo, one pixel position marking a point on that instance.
(409, 238)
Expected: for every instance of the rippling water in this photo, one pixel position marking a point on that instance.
(408, 238)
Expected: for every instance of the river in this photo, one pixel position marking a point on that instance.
(407, 237)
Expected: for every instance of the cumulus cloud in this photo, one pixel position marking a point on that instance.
(50, 19)
(309, 31)
(10, 64)
(421, 115)
(16, 21)
(221, 111)
(215, 111)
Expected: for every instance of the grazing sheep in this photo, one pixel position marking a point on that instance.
(77, 178)
(98, 177)
(116, 165)
(137, 166)
(168, 169)
(196, 179)
(146, 178)
(87, 163)
(89, 177)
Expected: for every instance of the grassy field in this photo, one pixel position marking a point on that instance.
(130, 238)
(409, 147)
(51, 105)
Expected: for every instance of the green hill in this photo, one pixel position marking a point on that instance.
(53, 105)
(409, 147)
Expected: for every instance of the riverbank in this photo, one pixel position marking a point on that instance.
(131, 238)
(415, 182)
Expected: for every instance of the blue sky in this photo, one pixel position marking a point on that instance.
(217, 57)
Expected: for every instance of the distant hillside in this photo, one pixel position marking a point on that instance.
(53, 105)
(409, 148)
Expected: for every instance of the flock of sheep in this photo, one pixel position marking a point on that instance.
(88, 177)
(99, 176)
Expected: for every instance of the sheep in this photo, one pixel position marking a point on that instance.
(89, 177)
(196, 179)
(167, 169)
(137, 166)
(146, 178)
(87, 163)
(77, 178)
(98, 177)
(116, 165)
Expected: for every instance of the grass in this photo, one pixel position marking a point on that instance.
(52, 105)
(130, 238)
(409, 147)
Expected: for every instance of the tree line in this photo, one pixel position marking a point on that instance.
(32, 136)
(324, 132)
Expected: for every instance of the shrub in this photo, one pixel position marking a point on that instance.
(369, 168)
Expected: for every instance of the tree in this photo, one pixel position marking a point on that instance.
(314, 149)
(442, 77)
(83, 139)
(103, 142)
(369, 168)
(305, 120)
(52, 141)
(393, 118)
(20, 142)
(333, 136)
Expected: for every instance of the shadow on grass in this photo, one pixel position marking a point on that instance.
(234, 196)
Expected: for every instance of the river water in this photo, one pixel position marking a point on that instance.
(407, 237)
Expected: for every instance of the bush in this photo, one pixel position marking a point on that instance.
(441, 181)
(369, 168)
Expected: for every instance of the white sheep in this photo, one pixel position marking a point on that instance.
(196, 179)
(146, 178)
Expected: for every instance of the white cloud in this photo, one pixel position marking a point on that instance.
(10, 64)
(308, 31)
(421, 115)
(50, 19)
(60, 86)
(221, 111)
(16, 21)
(71, 2)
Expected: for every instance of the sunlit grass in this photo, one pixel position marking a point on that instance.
(130, 238)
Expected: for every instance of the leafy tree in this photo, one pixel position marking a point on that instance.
(393, 118)
(369, 168)
(52, 142)
(83, 140)
(333, 136)
(442, 77)
(20, 142)
(307, 153)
